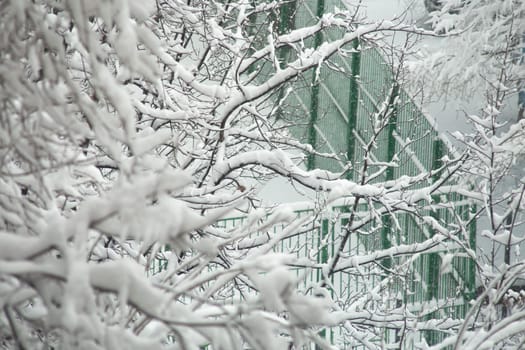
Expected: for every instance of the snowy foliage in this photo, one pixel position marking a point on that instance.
(483, 55)
(493, 172)
(128, 129)
(484, 39)
(492, 177)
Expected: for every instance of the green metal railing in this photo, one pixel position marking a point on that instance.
(335, 110)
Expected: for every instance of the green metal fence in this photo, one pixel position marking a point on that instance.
(417, 287)
(336, 109)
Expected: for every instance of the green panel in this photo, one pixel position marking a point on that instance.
(353, 101)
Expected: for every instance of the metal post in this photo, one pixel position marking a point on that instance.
(314, 103)
(434, 261)
(323, 256)
(353, 103)
(391, 150)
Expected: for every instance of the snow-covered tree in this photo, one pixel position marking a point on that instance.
(129, 128)
(484, 36)
(492, 177)
(483, 57)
